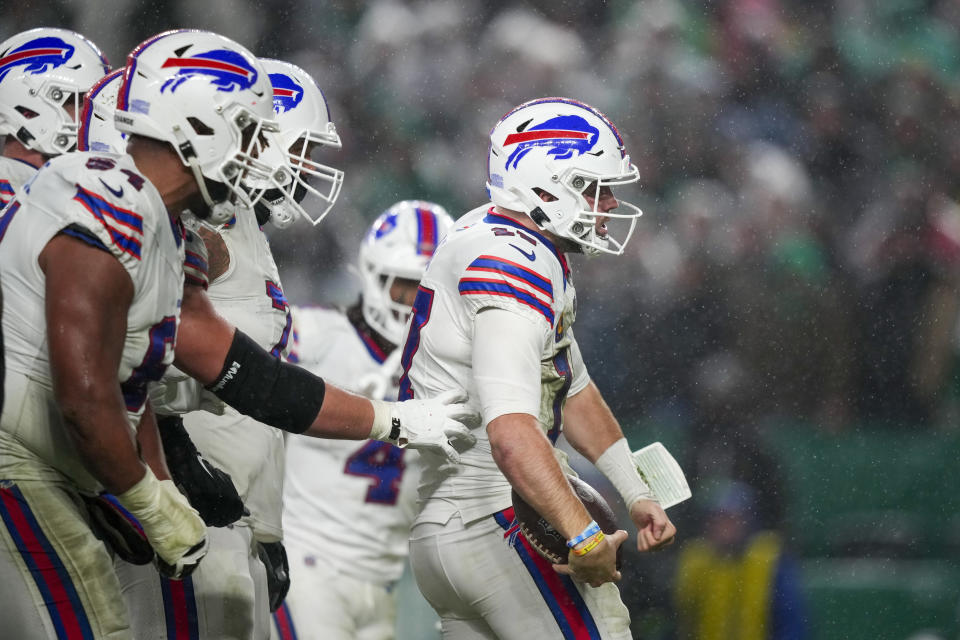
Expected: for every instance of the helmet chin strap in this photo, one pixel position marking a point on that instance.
(201, 181)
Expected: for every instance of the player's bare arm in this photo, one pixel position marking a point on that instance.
(150, 445)
(211, 350)
(591, 428)
(525, 456)
(86, 312)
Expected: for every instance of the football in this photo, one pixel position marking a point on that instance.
(547, 541)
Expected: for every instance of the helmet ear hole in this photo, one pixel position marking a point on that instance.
(545, 195)
(199, 127)
(26, 113)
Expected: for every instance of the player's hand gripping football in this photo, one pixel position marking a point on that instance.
(434, 423)
(654, 529)
(175, 530)
(597, 566)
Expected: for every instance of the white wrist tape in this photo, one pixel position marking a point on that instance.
(142, 496)
(382, 421)
(617, 464)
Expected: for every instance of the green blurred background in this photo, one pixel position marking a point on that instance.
(786, 316)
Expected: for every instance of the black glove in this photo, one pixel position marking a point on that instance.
(209, 489)
(118, 529)
(274, 558)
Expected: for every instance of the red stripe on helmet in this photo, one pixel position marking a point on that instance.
(527, 136)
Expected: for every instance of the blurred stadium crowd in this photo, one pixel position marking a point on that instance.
(797, 263)
(799, 246)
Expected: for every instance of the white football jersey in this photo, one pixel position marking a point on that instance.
(486, 261)
(103, 200)
(13, 175)
(249, 295)
(353, 502)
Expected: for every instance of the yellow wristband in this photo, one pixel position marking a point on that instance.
(590, 546)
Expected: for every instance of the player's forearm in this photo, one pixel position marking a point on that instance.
(526, 458)
(150, 445)
(343, 416)
(101, 434)
(588, 424)
(591, 429)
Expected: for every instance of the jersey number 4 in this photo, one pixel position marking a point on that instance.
(383, 464)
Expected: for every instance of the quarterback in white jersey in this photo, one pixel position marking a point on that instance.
(494, 316)
(348, 507)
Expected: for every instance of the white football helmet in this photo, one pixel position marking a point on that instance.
(305, 125)
(97, 131)
(399, 244)
(561, 147)
(41, 72)
(212, 101)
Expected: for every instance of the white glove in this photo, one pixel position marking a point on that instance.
(426, 424)
(175, 530)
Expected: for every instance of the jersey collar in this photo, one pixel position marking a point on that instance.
(378, 347)
(496, 218)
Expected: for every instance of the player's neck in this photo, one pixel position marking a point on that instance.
(13, 148)
(163, 168)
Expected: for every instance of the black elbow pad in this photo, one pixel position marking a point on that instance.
(267, 389)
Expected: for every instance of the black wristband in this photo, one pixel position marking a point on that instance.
(267, 389)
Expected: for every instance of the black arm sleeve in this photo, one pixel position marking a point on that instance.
(267, 389)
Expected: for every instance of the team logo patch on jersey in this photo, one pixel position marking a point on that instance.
(227, 70)
(287, 92)
(38, 56)
(565, 135)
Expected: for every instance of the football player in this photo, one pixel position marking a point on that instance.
(493, 316)
(230, 599)
(232, 593)
(44, 73)
(96, 266)
(348, 508)
(92, 267)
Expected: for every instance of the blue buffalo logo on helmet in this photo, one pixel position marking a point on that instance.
(287, 92)
(38, 56)
(227, 70)
(387, 224)
(565, 135)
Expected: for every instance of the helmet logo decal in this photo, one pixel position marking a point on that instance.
(389, 224)
(228, 70)
(563, 134)
(287, 92)
(39, 56)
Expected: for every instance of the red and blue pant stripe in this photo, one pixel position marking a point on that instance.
(284, 622)
(180, 609)
(558, 591)
(59, 594)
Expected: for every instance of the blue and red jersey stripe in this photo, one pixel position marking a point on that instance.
(499, 288)
(7, 217)
(493, 264)
(125, 227)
